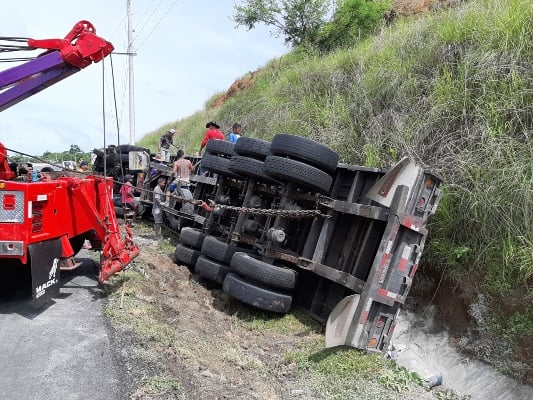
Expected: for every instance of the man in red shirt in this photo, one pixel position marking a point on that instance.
(212, 132)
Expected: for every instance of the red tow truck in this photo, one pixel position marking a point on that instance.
(44, 223)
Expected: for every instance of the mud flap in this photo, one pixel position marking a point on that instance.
(341, 328)
(45, 280)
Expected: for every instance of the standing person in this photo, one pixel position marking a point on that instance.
(235, 133)
(165, 142)
(182, 169)
(212, 132)
(159, 199)
(126, 195)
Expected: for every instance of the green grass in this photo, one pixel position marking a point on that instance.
(340, 372)
(128, 306)
(294, 323)
(159, 386)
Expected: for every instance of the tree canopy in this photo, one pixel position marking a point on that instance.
(298, 21)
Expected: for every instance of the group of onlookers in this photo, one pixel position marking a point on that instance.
(181, 170)
(212, 132)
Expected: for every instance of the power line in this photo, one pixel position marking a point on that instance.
(145, 12)
(118, 26)
(137, 33)
(159, 22)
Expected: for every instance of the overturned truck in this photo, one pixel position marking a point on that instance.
(288, 227)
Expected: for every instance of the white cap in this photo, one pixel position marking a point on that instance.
(172, 130)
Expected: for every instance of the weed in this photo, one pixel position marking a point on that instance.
(338, 373)
(159, 386)
(292, 323)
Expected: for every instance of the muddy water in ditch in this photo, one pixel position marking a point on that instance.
(425, 349)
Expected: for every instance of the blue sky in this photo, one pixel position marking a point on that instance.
(187, 50)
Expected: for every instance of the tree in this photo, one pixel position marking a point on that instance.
(74, 148)
(352, 21)
(297, 20)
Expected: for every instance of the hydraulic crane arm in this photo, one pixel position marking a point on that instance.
(80, 48)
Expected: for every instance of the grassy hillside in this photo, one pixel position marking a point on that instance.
(454, 91)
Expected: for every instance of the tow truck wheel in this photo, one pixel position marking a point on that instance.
(77, 242)
(255, 294)
(252, 147)
(211, 269)
(288, 170)
(306, 150)
(258, 270)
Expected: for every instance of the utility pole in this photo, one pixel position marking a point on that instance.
(130, 75)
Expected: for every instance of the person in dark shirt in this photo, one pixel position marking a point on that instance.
(165, 142)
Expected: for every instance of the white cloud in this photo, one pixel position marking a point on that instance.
(185, 57)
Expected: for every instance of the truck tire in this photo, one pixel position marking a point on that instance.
(260, 271)
(220, 251)
(77, 242)
(217, 165)
(186, 255)
(126, 148)
(210, 269)
(251, 168)
(116, 159)
(117, 200)
(192, 237)
(288, 170)
(256, 295)
(220, 147)
(306, 150)
(252, 147)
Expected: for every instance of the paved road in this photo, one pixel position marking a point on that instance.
(61, 352)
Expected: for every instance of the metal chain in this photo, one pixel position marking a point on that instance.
(296, 214)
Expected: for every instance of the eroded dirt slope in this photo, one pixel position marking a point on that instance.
(180, 337)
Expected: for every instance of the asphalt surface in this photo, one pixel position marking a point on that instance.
(61, 351)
